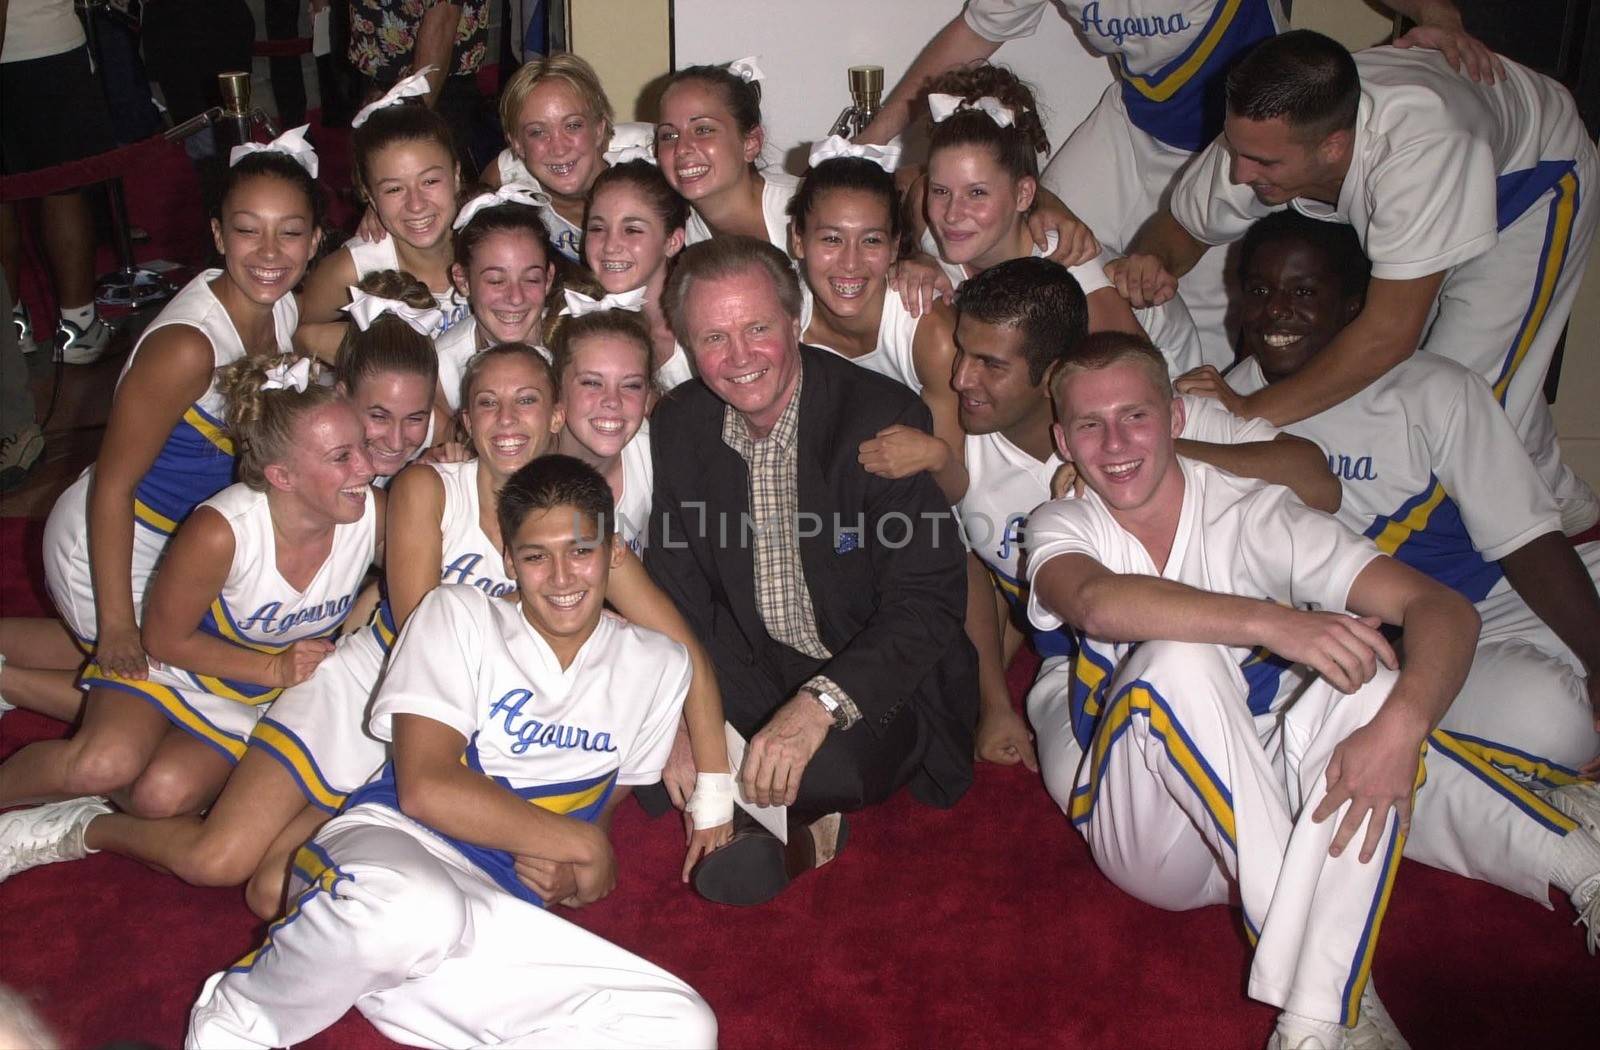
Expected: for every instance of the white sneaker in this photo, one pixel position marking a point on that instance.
(1580, 801)
(24, 326)
(1587, 900)
(1302, 1033)
(46, 834)
(82, 346)
(1375, 1030)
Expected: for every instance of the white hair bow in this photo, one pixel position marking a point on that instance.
(291, 143)
(579, 304)
(633, 140)
(944, 106)
(746, 69)
(410, 87)
(886, 157)
(510, 193)
(365, 308)
(289, 374)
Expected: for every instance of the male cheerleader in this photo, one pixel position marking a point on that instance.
(1201, 779)
(1434, 474)
(1476, 204)
(1116, 168)
(1015, 322)
(513, 727)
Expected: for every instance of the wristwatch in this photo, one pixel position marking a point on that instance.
(831, 705)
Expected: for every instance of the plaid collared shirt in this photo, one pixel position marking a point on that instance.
(782, 597)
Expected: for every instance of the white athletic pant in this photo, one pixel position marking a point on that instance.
(389, 918)
(1527, 691)
(1185, 797)
(1502, 313)
(1114, 176)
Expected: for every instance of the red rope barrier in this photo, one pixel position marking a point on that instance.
(282, 48)
(85, 172)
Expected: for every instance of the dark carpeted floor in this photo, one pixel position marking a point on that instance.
(982, 926)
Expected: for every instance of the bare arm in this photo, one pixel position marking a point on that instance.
(1138, 608)
(1375, 768)
(1385, 333)
(326, 292)
(195, 567)
(954, 45)
(933, 352)
(1110, 312)
(171, 371)
(436, 45)
(416, 545)
(1554, 582)
(1295, 463)
(637, 597)
(1439, 28)
(1160, 254)
(436, 789)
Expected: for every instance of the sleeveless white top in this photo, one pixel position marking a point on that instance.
(778, 188)
(372, 256)
(894, 356)
(638, 486)
(455, 348)
(257, 608)
(469, 556)
(1091, 276)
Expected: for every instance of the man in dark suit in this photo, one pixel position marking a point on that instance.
(830, 600)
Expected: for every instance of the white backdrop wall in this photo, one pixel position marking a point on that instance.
(806, 45)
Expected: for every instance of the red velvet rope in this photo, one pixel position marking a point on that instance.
(282, 48)
(85, 172)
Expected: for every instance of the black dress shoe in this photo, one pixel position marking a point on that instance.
(754, 867)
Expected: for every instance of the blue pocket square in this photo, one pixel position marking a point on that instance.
(847, 542)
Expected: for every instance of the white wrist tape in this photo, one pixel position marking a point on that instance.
(711, 805)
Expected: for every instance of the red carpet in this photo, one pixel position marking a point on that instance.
(984, 926)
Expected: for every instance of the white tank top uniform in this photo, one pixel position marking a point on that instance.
(676, 371)
(1197, 787)
(638, 484)
(373, 256)
(194, 464)
(895, 354)
(379, 894)
(455, 348)
(318, 729)
(1434, 473)
(256, 609)
(777, 190)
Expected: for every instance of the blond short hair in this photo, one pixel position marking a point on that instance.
(563, 65)
(1102, 350)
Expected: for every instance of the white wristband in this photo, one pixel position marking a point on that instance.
(711, 805)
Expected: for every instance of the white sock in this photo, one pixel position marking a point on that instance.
(1576, 871)
(82, 316)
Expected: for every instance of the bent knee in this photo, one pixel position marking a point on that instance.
(687, 1021)
(218, 860)
(1183, 673)
(168, 790)
(99, 768)
(415, 918)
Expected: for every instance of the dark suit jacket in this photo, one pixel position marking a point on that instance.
(883, 560)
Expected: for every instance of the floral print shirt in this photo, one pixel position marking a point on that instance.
(384, 32)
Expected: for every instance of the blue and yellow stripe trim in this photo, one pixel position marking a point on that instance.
(1168, 81)
(209, 427)
(284, 745)
(1476, 760)
(1142, 699)
(316, 868)
(178, 710)
(1557, 239)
